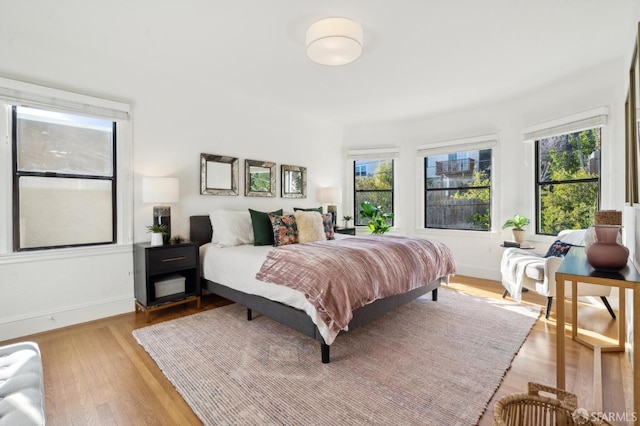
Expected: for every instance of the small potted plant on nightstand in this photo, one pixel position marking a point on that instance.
(517, 223)
(346, 219)
(157, 231)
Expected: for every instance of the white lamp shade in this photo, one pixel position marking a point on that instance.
(334, 41)
(160, 190)
(330, 195)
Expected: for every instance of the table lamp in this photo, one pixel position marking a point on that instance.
(162, 191)
(331, 196)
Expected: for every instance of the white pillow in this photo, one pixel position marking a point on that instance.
(231, 228)
(575, 237)
(310, 226)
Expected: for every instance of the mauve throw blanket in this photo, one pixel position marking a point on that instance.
(339, 276)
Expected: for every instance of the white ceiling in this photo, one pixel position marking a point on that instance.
(420, 56)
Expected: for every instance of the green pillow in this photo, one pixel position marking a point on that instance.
(262, 229)
(313, 209)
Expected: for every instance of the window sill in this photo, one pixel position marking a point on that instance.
(64, 253)
(458, 233)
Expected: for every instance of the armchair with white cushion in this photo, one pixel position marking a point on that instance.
(522, 269)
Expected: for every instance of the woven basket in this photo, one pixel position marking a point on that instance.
(533, 409)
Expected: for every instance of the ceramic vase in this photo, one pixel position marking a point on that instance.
(156, 239)
(605, 253)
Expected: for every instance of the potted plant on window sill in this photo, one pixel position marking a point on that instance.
(377, 219)
(157, 231)
(517, 224)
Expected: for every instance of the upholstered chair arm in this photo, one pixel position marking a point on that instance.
(551, 265)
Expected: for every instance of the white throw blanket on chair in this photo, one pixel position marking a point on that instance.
(513, 265)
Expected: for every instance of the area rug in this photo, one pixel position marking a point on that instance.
(426, 363)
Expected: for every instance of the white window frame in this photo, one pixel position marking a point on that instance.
(19, 93)
(489, 141)
(596, 117)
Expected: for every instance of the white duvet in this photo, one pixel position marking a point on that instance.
(236, 267)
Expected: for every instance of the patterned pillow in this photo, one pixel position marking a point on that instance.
(327, 222)
(558, 249)
(285, 230)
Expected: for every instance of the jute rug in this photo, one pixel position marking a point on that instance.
(427, 363)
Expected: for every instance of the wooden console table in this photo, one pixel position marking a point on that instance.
(575, 268)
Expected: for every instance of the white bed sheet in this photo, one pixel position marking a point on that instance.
(236, 267)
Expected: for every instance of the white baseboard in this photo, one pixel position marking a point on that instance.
(478, 272)
(11, 328)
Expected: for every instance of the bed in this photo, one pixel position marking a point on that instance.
(232, 276)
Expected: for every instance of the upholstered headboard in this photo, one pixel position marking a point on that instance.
(200, 230)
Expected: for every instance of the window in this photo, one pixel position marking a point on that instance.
(64, 179)
(457, 189)
(568, 180)
(373, 182)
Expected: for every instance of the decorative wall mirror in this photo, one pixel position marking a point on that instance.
(218, 175)
(293, 181)
(260, 178)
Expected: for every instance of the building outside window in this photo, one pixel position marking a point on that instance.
(64, 175)
(373, 182)
(457, 188)
(568, 180)
(361, 170)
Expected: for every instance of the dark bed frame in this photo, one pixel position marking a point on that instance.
(201, 231)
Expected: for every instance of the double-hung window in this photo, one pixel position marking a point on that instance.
(373, 180)
(457, 184)
(568, 180)
(67, 174)
(64, 179)
(568, 171)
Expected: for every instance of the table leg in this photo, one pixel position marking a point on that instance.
(560, 359)
(622, 325)
(574, 309)
(636, 352)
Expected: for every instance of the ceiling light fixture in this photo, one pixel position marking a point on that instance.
(334, 41)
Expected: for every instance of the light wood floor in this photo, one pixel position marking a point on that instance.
(97, 374)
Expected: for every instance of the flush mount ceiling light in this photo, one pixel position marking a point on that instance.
(334, 41)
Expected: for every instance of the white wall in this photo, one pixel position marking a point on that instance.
(225, 125)
(173, 121)
(478, 253)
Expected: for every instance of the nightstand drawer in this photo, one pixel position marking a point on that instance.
(346, 231)
(171, 259)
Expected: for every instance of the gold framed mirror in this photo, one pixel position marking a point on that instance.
(293, 181)
(218, 175)
(260, 178)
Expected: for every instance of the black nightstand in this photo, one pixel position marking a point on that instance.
(166, 275)
(347, 231)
